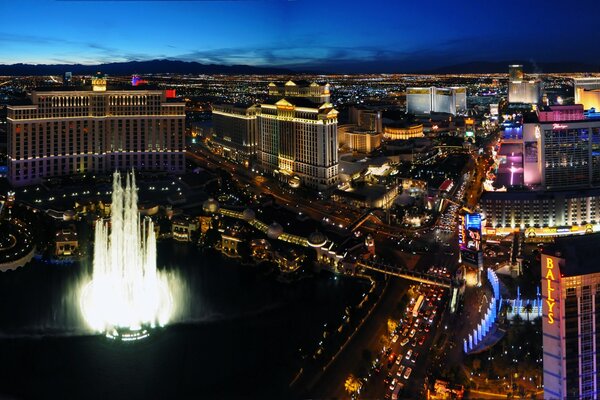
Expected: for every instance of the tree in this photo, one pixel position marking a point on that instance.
(392, 325)
(352, 384)
(528, 310)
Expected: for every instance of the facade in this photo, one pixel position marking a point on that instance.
(366, 119)
(64, 131)
(236, 130)
(528, 91)
(357, 139)
(66, 242)
(521, 90)
(403, 132)
(432, 99)
(313, 91)
(183, 228)
(587, 92)
(515, 72)
(298, 136)
(571, 317)
(541, 213)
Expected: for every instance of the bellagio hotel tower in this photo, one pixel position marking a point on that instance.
(70, 130)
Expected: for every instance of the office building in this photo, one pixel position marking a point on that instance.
(570, 321)
(70, 130)
(299, 136)
(236, 131)
(421, 101)
(547, 176)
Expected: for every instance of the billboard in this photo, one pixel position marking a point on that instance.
(469, 237)
(531, 152)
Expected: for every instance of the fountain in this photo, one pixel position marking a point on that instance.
(127, 297)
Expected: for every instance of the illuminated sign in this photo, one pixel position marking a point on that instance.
(559, 126)
(551, 273)
(473, 221)
(461, 229)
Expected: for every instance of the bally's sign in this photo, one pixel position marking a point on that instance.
(551, 289)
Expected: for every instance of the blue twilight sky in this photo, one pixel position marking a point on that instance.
(350, 35)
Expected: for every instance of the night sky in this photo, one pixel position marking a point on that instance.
(333, 36)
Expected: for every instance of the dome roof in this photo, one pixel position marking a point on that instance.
(248, 214)
(317, 239)
(275, 230)
(210, 206)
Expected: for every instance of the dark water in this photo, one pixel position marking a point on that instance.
(237, 337)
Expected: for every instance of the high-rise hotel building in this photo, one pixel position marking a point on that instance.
(426, 100)
(298, 134)
(571, 318)
(547, 176)
(521, 90)
(236, 131)
(587, 92)
(70, 130)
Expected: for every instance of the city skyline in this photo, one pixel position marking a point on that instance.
(333, 37)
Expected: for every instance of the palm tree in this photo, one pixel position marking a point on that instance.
(528, 310)
(352, 384)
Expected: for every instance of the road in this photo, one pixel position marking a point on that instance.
(338, 214)
(331, 384)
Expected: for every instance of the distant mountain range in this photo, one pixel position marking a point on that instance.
(139, 67)
(191, 67)
(482, 67)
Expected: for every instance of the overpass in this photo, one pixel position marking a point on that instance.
(404, 273)
(363, 218)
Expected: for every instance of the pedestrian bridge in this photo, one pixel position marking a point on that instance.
(404, 273)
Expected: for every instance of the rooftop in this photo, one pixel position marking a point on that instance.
(109, 87)
(579, 252)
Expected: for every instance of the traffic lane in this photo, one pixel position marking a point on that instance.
(331, 383)
(263, 187)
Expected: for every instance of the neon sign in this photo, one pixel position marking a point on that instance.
(559, 126)
(550, 300)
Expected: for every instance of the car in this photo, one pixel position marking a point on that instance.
(407, 373)
(388, 378)
(412, 333)
(408, 354)
(393, 384)
(414, 357)
(391, 360)
(394, 338)
(399, 359)
(421, 340)
(404, 342)
(400, 371)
